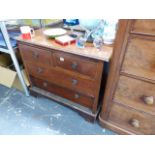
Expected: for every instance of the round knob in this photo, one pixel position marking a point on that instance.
(35, 55)
(45, 84)
(77, 96)
(149, 100)
(74, 65)
(74, 82)
(39, 70)
(135, 123)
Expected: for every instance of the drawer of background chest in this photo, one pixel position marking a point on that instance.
(76, 64)
(131, 120)
(144, 26)
(140, 58)
(35, 55)
(75, 83)
(136, 94)
(63, 92)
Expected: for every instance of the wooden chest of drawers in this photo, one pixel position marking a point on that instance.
(129, 102)
(67, 77)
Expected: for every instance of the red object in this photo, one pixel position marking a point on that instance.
(26, 36)
(66, 43)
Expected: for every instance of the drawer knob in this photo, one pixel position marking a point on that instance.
(35, 55)
(135, 123)
(74, 82)
(45, 84)
(39, 70)
(74, 65)
(149, 100)
(77, 96)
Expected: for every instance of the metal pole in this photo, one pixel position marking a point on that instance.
(14, 59)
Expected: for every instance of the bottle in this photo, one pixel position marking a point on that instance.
(109, 31)
(99, 30)
(98, 42)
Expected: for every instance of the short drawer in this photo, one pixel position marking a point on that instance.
(76, 64)
(136, 94)
(63, 92)
(76, 83)
(35, 55)
(131, 120)
(144, 26)
(140, 58)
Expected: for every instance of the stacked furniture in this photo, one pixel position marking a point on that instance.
(129, 101)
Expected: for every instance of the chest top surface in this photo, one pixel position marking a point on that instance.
(89, 51)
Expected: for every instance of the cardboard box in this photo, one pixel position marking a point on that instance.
(9, 78)
(5, 60)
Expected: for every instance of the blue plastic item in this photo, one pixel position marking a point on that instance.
(13, 42)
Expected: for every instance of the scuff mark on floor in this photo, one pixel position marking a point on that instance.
(10, 109)
(57, 116)
(18, 112)
(5, 100)
(56, 132)
(28, 105)
(6, 97)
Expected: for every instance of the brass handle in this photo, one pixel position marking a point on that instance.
(149, 100)
(74, 65)
(135, 123)
(45, 84)
(77, 96)
(39, 70)
(74, 82)
(35, 55)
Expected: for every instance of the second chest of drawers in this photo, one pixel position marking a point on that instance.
(129, 103)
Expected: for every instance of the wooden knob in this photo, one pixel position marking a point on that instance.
(74, 65)
(35, 55)
(77, 96)
(74, 82)
(45, 84)
(135, 123)
(39, 70)
(149, 100)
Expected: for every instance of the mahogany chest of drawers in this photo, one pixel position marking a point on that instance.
(69, 78)
(129, 102)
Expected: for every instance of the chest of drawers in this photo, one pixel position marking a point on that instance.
(66, 77)
(129, 102)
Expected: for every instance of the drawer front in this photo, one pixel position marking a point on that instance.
(131, 120)
(66, 93)
(144, 26)
(35, 55)
(76, 64)
(72, 82)
(140, 58)
(136, 94)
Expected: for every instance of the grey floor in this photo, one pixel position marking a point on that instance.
(21, 115)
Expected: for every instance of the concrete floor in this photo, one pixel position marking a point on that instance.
(21, 115)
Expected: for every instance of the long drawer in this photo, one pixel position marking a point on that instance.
(136, 94)
(144, 26)
(76, 64)
(63, 92)
(85, 86)
(134, 121)
(140, 58)
(36, 55)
